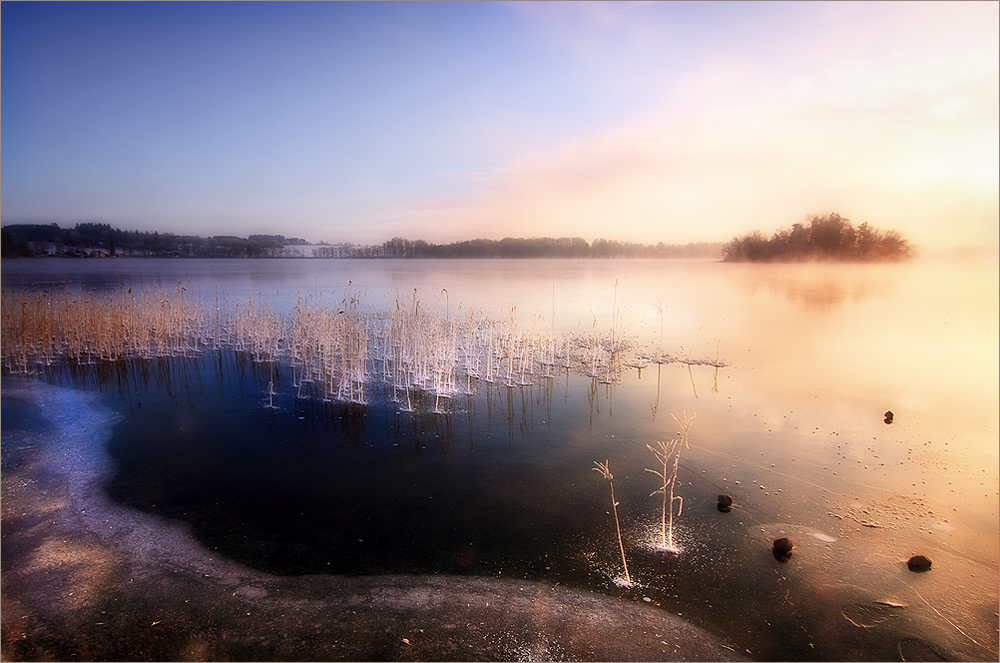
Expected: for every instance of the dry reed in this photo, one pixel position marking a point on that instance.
(40, 327)
(336, 351)
(606, 473)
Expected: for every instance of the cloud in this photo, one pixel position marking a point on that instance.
(904, 141)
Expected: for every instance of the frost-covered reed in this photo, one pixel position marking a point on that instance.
(668, 456)
(337, 350)
(329, 347)
(605, 471)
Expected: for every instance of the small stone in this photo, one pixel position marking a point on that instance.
(725, 503)
(888, 416)
(784, 544)
(918, 563)
(782, 549)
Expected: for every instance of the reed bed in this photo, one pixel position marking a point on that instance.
(40, 327)
(253, 327)
(330, 348)
(337, 351)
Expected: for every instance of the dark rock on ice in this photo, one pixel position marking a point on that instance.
(782, 548)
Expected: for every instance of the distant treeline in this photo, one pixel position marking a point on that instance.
(830, 238)
(90, 239)
(535, 247)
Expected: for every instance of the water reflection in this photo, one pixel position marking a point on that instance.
(823, 287)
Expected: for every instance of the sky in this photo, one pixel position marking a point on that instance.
(645, 122)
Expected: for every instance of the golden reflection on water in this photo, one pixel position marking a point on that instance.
(851, 342)
(817, 354)
(919, 339)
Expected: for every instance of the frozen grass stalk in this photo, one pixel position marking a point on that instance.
(668, 454)
(606, 473)
(663, 452)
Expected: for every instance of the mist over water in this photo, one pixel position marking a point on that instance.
(790, 423)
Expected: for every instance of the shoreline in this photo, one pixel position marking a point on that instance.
(86, 578)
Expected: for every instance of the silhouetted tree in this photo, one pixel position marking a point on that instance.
(829, 237)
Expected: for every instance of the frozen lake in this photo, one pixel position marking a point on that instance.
(789, 369)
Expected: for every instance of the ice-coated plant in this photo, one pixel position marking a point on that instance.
(668, 456)
(606, 473)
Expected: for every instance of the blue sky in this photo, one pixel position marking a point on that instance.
(636, 121)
